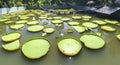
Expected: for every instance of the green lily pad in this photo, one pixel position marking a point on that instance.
(100, 22)
(35, 28)
(11, 37)
(76, 17)
(108, 28)
(49, 30)
(35, 48)
(3, 20)
(21, 22)
(86, 17)
(111, 21)
(57, 18)
(24, 17)
(43, 17)
(65, 19)
(69, 47)
(73, 23)
(8, 22)
(15, 45)
(90, 25)
(17, 26)
(92, 41)
(70, 30)
(118, 36)
(57, 21)
(79, 29)
(49, 18)
(33, 23)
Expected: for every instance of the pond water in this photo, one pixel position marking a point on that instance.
(108, 55)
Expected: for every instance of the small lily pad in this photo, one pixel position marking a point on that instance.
(69, 47)
(15, 45)
(92, 41)
(35, 48)
(70, 30)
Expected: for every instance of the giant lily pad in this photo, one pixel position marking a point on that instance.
(92, 41)
(111, 21)
(76, 17)
(79, 29)
(65, 19)
(11, 37)
(90, 25)
(35, 48)
(108, 28)
(16, 26)
(69, 47)
(57, 18)
(118, 36)
(8, 22)
(3, 20)
(21, 22)
(57, 21)
(32, 22)
(73, 23)
(15, 45)
(100, 22)
(35, 28)
(86, 17)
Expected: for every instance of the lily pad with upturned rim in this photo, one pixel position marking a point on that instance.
(65, 19)
(92, 41)
(8, 22)
(49, 30)
(118, 36)
(33, 23)
(108, 28)
(15, 45)
(57, 21)
(17, 26)
(36, 48)
(11, 36)
(76, 17)
(73, 23)
(90, 25)
(35, 28)
(21, 22)
(69, 46)
(100, 22)
(79, 29)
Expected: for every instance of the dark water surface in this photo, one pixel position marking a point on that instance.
(108, 55)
